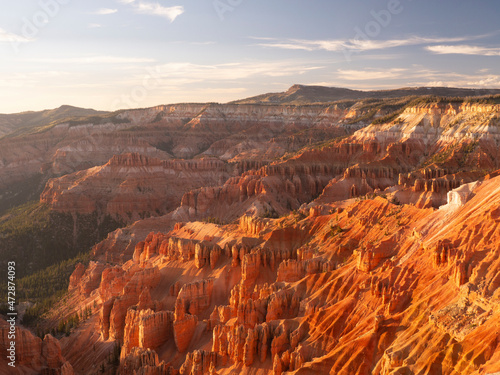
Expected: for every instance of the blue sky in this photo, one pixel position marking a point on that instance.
(110, 54)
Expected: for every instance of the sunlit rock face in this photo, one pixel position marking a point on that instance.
(333, 260)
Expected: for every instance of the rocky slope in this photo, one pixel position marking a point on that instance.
(131, 186)
(18, 123)
(368, 254)
(229, 132)
(424, 152)
(371, 288)
(230, 139)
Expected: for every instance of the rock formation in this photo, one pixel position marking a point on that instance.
(131, 186)
(184, 326)
(146, 362)
(146, 329)
(196, 296)
(332, 260)
(86, 280)
(32, 353)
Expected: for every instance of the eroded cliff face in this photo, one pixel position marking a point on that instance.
(446, 122)
(32, 354)
(131, 186)
(370, 288)
(364, 276)
(245, 137)
(426, 152)
(237, 132)
(229, 131)
(422, 143)
(271, 190)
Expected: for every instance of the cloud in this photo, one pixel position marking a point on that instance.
(362, 75)
(412, 76)
(23, 80)
(231, 71)
(355, 45)
(7, 37)
(299, 44)
(464, 50)
(488, 81)
(221, 90)
(467, 81)
(420, 76)
(155, 9)
(366, 45)
(96, 60)
(208, 43)
(180, 75)
(105, 11)
(170, 13)
(94, 26)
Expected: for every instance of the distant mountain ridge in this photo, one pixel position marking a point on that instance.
(13, 122)
(17, 124)
(302, 94)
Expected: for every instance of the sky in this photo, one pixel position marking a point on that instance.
(114, 54)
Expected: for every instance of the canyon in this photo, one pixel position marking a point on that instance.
(353, 237)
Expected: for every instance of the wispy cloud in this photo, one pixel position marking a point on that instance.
(421, 76)
(155, 9)
(366, 45)
(105, 11)
(230, 72)
(338, 45)
(94, 25)
(23, 80)
(467, 81)
(96, 60)
(363, 75)
(221, 90)
(7, 37)
(202, 43)
(413, 76)
(464, 50)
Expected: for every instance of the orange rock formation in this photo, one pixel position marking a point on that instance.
(375, 254)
